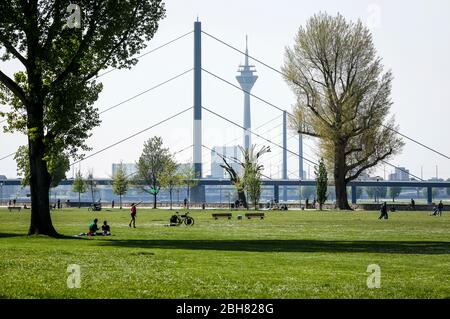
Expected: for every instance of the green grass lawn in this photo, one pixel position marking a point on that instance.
(287, 255)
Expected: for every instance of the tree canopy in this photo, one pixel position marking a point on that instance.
(153, 167)
(51, 95)
(343, 97)
(120, 183)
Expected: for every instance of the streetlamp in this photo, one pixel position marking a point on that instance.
(300, 193)
(1, 193)
(220, 194)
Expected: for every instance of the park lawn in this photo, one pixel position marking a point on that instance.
(294, 254)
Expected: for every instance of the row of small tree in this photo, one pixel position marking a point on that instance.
(156, 169)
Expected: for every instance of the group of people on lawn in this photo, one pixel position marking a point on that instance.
(106, 229)
(437, 210)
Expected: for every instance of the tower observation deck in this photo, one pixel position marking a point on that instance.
(246, 80)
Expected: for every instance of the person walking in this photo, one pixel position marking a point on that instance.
(384, 211)
(413, 204)
(133, 215)
(440, 208)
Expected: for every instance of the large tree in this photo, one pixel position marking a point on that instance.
(57, 165)
(153, 167)
(343, 97)
(61, 48)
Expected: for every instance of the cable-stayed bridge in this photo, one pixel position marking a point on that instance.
(289, 177)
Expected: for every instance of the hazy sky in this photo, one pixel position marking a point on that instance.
(412, 37)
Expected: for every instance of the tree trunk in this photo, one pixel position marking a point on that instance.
(170, 194)
(242, 198)
(120, 199)
(339, 177)
(79, 200)
(154, 201)
(41, 221)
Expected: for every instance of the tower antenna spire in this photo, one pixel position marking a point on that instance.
(247, 79)
(246, 49)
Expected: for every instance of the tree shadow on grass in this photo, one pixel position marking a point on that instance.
(60, 236)
(326, 246)
(9, 235)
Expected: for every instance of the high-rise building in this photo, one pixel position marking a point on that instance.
(400, 174)
(228, 152)
(129, 168)
(246, 80)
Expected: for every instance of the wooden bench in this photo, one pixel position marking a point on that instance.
(11, 208)
(222, 215)
(251, 215)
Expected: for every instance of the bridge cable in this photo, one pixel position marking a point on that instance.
(232, 122)
(133, 135)
(146, 91)
(284, 75)
(128, 99)
(287, 112)
(147, 53)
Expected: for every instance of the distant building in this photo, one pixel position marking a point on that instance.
(400, 174)
(216, 160)
(363, 177)
(130, 168)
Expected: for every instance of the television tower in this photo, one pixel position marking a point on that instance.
(246, 80)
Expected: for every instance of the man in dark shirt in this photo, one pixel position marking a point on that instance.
(384, 212)
(440, 208)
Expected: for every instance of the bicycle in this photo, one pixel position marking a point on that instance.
(95, 207)
(178, 219)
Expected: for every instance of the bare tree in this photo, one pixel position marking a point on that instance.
(343, 97)
(249, 180)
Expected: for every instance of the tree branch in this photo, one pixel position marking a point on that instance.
(108, 56)
(9, 47)
(364, 167)
(13, 87)
(72, 66)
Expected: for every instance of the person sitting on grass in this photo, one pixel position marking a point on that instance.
(93, 228)
(106, 230)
